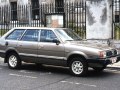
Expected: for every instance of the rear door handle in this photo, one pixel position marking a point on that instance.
(40, 46)
(6, 43)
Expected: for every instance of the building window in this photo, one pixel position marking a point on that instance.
(13, 11)
(35, 9)
(59, 4)
(117, 18)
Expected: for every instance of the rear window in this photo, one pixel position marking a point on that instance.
(16, 34)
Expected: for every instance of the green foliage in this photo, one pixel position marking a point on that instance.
(117, 32)
(3, 31)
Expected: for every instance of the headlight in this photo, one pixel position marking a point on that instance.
(115, 52)
(102, 54)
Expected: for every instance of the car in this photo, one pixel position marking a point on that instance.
(55, 46)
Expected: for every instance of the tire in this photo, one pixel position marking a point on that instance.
(99, 69)
(78, 66)
(14, 61)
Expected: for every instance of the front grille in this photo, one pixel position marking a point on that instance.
(111, 53)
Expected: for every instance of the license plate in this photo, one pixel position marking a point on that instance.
(113, 59)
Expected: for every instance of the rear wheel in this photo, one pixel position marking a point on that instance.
(14, 61)
(78, 66)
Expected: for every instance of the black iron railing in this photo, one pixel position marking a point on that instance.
(27, 15)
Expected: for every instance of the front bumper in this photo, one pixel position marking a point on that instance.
(102, 62)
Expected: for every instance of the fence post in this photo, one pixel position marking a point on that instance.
(29, 14)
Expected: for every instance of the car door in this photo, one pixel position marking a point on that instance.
(48, 51)
(12, 39)
(28, 45)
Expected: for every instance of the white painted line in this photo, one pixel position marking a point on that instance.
(45, 73)
(3, 65)
(17, 75)
(25, 71)
(79, 83)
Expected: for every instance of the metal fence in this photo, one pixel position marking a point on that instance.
(116, 19)
(74, 16)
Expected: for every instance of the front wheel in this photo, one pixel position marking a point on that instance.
(14, 61)
(78, 66)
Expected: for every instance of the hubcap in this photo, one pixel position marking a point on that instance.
(12, 61)
(77, 67)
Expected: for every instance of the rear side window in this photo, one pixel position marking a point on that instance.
(30, 35)
(16, 34)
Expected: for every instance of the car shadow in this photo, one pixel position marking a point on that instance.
(45, 68)
(65, 71)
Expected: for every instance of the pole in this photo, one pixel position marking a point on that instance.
(29, 13)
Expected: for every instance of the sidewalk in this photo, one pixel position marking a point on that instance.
(116, 65)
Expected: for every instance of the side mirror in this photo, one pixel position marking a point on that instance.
(56, 41)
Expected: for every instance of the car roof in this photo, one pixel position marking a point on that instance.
(37, 28)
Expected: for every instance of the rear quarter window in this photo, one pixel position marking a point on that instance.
(16, 34)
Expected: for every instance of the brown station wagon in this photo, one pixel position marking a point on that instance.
(54, 46)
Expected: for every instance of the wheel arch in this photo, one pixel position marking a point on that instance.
(75, 55)
(8, 52)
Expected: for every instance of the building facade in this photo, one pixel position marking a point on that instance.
(35, 8)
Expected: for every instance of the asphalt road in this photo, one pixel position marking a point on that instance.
(30, 77)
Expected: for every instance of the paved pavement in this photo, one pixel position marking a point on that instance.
(30, 77)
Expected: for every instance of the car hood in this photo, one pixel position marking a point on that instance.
(101, 46)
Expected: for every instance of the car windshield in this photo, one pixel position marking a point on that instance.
(67, 35)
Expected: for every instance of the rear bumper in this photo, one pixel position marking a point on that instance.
(102, 62)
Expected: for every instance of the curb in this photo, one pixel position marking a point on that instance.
(116, 65)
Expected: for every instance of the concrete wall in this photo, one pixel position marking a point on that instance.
(22, 2)
(99, 19)
(7, 2)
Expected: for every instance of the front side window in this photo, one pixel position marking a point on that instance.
(16, 34)
(47, 36)
(30, 35)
